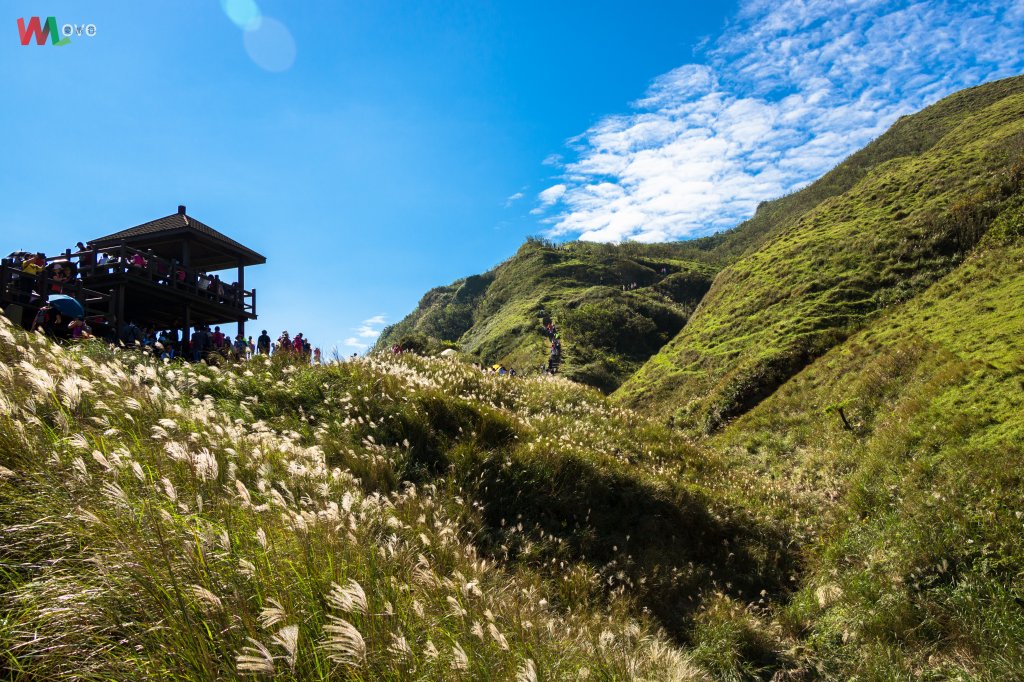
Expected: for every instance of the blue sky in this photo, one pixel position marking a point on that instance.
(373, 150)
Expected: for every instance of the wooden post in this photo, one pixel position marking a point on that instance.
(120, 321)
(43, 280)
(186, 334)
(239, 296)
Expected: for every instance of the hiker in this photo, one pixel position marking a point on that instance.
(316, 356)
(250, 348)
(284, 343)
(34, 265)
(239, 347)
(217, 338)
(79, 329)
(200, 343)
(85, 256)
(164, 345)
(174, 340)
(45, 319)
(263, 343)
(138, 261)
(298, 345)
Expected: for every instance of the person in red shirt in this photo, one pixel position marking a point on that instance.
(217, 338)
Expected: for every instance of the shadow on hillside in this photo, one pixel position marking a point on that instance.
(659, 543)
(662, 545)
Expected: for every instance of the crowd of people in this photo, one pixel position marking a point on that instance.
(550, 329)
(71, 266)
(206, 344)
(203, 344)
(555, 354)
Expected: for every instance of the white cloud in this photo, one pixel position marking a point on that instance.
(514, 198)
(551, 194)
(366, 333)
(788, 90)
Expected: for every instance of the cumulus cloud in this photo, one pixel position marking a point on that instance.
(551, 194)
(366, 333)
(788, 90)
(514, 198)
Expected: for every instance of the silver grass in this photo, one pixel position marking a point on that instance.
(255, 659)
(350, 599)
(288, 639)
(208, 598)
(169, 489)
(101, 460)
(460, 661)
(498, 637)
(273, 614)
(399, 647)
(344, 644)
(527, 672)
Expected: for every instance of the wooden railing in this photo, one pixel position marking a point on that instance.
(97, 263)
(27, 290)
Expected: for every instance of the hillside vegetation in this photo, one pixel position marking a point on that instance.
(825, 272)
(817, 478)
(608, 332)
(379, 519)
(857, 369)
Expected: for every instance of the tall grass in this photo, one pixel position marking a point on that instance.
(166, 521)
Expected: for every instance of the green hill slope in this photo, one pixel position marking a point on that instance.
(816, 278)
(384, 519)
(907, 441)
(846, 505)
(608, 332)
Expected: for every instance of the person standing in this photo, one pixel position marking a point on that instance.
(263, 343)
(200, 344)
(217, 338)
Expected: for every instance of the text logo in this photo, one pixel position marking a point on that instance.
(42, 31)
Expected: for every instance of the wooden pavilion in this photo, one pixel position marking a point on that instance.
(154, 274)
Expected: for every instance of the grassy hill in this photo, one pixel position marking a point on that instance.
(380, 519)
(789, 283)
(404, 517)
(872, 234)
(607, 332)
(907, 440)
(839, 496)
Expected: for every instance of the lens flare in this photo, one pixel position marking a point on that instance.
(270, 45)
(244, 13)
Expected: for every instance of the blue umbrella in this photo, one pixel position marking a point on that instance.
(67, 306)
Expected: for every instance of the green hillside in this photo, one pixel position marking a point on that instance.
(838, 495)
(905, 443)
(388, 518)
(823, 271)
(607, 332)
(789, 283)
